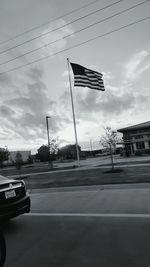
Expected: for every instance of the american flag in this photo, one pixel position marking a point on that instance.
(87, 78)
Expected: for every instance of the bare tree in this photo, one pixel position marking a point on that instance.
(54, 144)
(109, 141)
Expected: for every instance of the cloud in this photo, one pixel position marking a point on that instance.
(25, 114)
(116, 103)
(107, 104)
(47, 44)
(35, 73)
(6, 111)
(54, 40)
(25, 99)
(144, 68)
(137, 65)
(107, 76)
(5, 79)
(65, 74)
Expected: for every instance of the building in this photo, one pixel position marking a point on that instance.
(136, 138)
(24, 155)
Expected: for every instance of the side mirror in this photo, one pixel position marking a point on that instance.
(2, 250)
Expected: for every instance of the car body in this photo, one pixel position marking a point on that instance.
(14, 199)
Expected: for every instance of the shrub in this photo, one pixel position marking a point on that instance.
(147, 152)
(138, 153)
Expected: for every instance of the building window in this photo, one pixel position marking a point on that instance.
(139, 137)
(140, 145)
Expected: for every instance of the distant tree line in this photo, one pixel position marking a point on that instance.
(55, 153)
(67, 152)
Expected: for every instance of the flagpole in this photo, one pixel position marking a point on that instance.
(73, 113)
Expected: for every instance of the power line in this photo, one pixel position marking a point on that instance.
(82, 29)
(50, 21)
(77, 45)
(61, 27)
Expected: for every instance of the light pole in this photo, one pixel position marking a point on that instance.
(49, 148)
(6, 148)
(91, 145)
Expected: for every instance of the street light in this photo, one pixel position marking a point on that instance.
(6, 148)
(49, 148)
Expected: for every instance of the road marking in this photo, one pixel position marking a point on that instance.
(121, 215)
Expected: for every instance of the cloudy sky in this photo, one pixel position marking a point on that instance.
(30, 93)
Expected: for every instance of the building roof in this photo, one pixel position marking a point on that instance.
(135, 127)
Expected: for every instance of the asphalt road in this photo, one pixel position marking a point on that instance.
(74, 241)
(99, 226)
(95, 199)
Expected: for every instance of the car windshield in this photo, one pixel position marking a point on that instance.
(75, 133)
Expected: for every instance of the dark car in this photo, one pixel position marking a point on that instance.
(14, 199)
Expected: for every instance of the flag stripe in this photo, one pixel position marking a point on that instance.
(79, 78)
(96, 74)
(85, 83)
(88, 83)
(87, 78)
(90, 86)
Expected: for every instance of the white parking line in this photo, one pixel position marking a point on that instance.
(105, 215)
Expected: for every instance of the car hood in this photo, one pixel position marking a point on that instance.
(5, 180)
